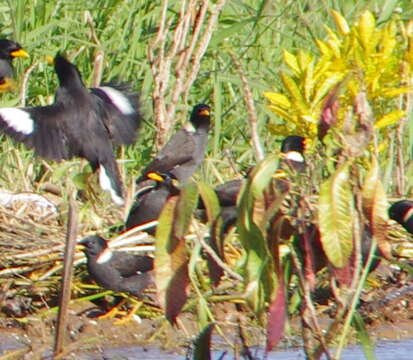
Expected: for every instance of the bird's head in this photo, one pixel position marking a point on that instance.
(68, 74)
(93, 245)
(201, 115)
(11, 49)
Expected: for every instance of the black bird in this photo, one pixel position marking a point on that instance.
(402, 212)
(293, 148)
(81, 123)
(8, 51)
(185, 151)
(117, 270)
(150, 199)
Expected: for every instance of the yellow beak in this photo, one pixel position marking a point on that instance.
(19, 53)
(204, 112)
(155, 176)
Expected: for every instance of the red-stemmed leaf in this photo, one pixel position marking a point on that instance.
(276, 318)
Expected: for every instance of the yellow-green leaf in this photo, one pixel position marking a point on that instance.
(278, 99)
(392, 92)
(335, 216)
(292, 88)
(367, 26)
(326, 85)
(280, 112)
(291, 61)
(390, 118)
(324, 49)
(341, 23)
(304, 59)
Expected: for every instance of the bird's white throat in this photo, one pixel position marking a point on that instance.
(104, 257)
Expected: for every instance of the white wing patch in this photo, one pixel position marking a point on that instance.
(294, 156)
(106, 184)
(118, 99)
(18, 119)
(104, 257)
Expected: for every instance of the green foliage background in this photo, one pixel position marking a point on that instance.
(256, 31)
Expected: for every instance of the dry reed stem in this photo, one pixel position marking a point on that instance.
(180, 56)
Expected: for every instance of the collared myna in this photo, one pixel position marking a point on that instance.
(292, 149)
(81, 123)
(117, 270)
(402, 212)
(150, 199)
(185, 151)
(8, 51)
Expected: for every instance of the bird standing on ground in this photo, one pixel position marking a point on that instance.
(81, 123)
(118, 271)
(149, 200)
(8, 51)
(185, 151)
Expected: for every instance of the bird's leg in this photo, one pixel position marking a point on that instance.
(114, 311)
(131, 314)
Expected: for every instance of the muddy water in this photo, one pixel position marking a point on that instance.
(391, 350)
(385, 350)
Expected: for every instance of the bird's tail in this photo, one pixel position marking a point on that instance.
(109, 179)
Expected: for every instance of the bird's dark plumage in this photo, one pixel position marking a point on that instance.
(81, 123)
(150, 199)
(293, 148)
(8, 51)
(117, 270)
(185, 151)
(402, 212)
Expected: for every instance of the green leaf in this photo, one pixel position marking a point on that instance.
(210, 200)
(335, 214)
(260, 278)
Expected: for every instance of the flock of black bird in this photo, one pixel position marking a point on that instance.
(89, 122)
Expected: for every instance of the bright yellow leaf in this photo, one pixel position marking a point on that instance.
(367, 26)
(278, 99)
(341, 23)
(390, 118)
(291, 61)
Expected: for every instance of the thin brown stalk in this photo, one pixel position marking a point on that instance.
(64, 296)
(252, 113)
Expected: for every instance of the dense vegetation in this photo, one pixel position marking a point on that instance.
(299, 63)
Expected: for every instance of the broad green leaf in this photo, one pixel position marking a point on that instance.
(188, 200)
(260, 278)
(210, 200)
(335, 216)
(375, 207)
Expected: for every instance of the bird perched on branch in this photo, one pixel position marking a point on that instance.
(185, 150)
(8, 51)
(150, 199)
(82, 123)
